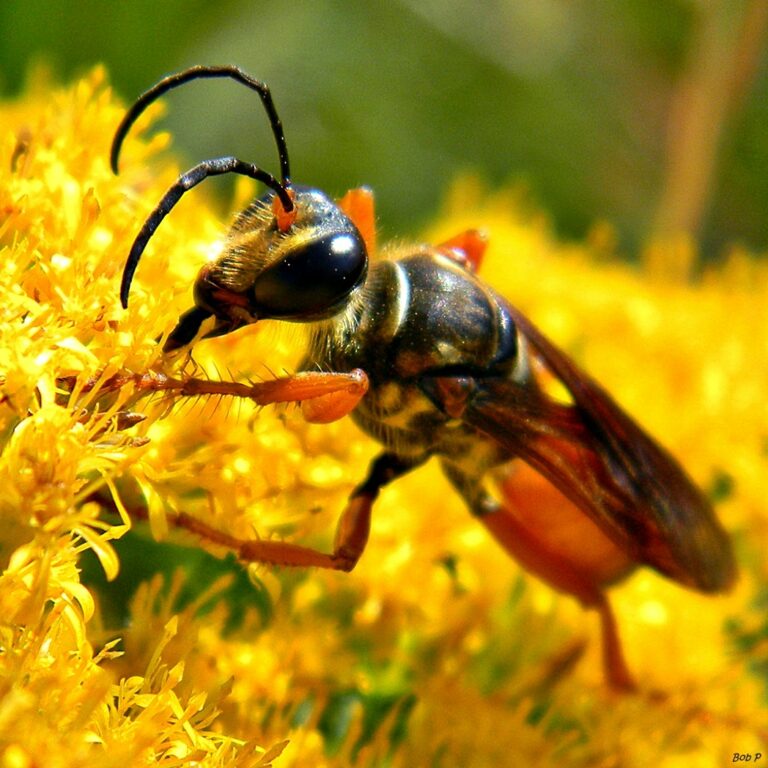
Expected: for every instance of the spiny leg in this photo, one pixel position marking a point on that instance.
(324, 396)
(351, 532)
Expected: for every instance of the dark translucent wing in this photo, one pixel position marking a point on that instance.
(608, 466)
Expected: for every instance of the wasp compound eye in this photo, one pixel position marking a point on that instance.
(313, 279)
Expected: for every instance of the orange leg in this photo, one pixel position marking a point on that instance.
(358, 204)
(349, 543)
(351, 532)
(324, 397)
(466, 248)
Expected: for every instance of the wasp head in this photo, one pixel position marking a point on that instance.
(301, 271)
(291, 255)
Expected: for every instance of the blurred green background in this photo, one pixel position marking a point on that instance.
(650, 114)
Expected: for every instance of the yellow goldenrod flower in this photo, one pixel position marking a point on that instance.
(436, 650)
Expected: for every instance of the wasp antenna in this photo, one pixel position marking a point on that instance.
(187, 181)
(199, 73)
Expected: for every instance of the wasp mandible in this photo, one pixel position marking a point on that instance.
(455, 372)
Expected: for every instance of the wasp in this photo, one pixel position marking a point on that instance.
(453, 371)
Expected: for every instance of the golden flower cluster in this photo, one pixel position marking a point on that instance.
(124, 642)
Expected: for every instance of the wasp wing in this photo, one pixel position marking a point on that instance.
(595, 454)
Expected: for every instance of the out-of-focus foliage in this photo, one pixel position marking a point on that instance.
(436, 650)
(649, 113)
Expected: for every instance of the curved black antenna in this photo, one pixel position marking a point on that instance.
(197, 73)
(205, 169)
(186, 182)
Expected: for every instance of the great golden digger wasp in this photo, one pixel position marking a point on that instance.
(452, 370)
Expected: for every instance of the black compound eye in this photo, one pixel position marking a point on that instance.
(312, 279)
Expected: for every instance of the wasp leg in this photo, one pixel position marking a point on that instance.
(466, 248)
(325, 408)
(351, 532)
(536, 557)
(324, 397)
